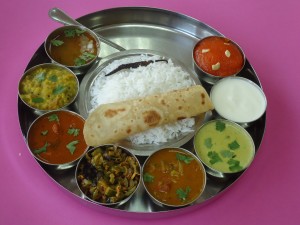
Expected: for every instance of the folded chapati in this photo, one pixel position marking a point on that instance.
(112, 122)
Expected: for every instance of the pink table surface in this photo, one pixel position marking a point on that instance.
(268, 193)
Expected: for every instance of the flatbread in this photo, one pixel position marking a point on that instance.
(112, 122)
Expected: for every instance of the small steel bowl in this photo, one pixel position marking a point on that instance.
(222, 153)
(168, 176)
(81, 61)
(210, 77)
(55, 139)
(238, 99)
(42, 87)
(108, 175)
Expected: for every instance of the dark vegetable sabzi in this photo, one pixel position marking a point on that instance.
(108, 174)
(134, 65)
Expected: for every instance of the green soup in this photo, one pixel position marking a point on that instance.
(224, 146)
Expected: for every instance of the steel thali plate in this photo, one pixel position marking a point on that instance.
(154, 29)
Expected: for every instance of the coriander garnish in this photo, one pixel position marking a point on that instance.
(73, 32)
(234, 165)
(234, 145)
(227, 154)
(208, 142)
(44, 133)
(148, 177)
(183, 194)
(53, 117)
(84, 58)
(42, 149)
(56, 42)
(186, 159)
(72, 146)
(220, 126)
(214, 157)
(73, 131)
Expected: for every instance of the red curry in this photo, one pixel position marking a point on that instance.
(57, 138)
(218, 56)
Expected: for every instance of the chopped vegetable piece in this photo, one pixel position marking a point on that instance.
(205, 50)
(59, 89)
(227, 53)
(41, 76)
(216, 66)
(53, 78)
(37, 100)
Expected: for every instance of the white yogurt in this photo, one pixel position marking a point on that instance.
(238, 99)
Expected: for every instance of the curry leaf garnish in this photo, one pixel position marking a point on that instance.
(72, 146)
(40, 77)
(44, 133)
(58, 90)
(42, 149)
(234, 145)
(56, 42)
(227, 154)
(214, 157)
(234, 165)
(148, 177)
(183, 194)
(220, 126)
(74, 131)
(186, 159)
(208, 142)
(53, 78)
(53, 117)
(37, 100)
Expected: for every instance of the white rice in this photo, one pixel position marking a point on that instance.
(157, 77)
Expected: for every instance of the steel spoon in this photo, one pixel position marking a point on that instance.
(60, 16)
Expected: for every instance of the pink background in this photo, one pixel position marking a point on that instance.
(268, 193)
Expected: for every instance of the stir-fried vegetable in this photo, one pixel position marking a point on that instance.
(108, 174)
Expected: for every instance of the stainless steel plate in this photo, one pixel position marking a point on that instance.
(170, 33)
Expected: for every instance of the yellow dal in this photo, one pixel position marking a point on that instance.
(219, 144)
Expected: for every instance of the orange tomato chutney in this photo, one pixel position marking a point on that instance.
(57, 137)
(218, 56)
(174, 177)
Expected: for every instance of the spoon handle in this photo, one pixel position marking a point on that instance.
(61, 17)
